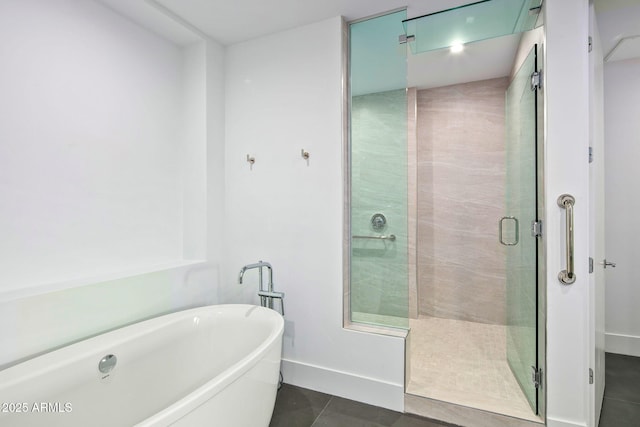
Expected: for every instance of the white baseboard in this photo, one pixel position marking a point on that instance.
(622, 344)
(552, 422)
(344, 384)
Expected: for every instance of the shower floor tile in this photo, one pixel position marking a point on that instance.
(464, 363)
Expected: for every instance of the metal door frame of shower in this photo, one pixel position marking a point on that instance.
(541, 266)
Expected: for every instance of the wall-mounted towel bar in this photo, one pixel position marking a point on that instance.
(391, 237)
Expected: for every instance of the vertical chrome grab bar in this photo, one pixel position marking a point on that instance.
(568, 276)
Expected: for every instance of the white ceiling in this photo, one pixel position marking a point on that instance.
(155, 19)
(231, 22)
(486, 59)
(234, 21)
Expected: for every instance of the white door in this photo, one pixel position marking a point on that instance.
(596, 219)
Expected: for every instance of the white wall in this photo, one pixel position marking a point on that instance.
(193, 165)
(622, 136)
(283, 93)
(566, 171)
(105, 130)
(215, 155)
(89, 129)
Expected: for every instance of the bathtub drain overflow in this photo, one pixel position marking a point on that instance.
(107, 363)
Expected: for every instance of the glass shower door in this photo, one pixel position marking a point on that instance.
(378, 164)
(517, 230)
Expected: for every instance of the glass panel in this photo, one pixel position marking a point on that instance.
(474, 22)
(379, 274)
(521, 203)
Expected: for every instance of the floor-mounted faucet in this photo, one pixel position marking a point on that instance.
(266, 294)
(259, 265)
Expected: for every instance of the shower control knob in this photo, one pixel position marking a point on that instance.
(378, 222)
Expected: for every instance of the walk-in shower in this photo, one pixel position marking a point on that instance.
(444, 215)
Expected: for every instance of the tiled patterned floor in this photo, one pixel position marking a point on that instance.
(621, 406)
(299, 407)
(464, 363)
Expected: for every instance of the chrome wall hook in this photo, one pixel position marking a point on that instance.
(305, 155)
(251, 160)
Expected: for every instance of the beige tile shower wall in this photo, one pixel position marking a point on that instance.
(412, 200)
(461, 173)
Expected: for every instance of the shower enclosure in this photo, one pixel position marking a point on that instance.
(444, 214)
(379, 209)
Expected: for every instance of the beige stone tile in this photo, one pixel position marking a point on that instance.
(460, 198)
(412, 201)
(464, 363)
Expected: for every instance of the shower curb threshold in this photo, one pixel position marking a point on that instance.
(380, 330)
(461, 415)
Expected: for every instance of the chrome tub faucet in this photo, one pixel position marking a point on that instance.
(267, 294)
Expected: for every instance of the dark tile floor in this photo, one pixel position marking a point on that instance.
(621, 406)
(299, 407)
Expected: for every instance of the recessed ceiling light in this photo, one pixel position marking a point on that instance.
(456, 48)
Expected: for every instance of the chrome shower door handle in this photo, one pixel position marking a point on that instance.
(500, 227)
(568, 276)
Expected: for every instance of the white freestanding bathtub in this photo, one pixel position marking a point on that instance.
(210, 366)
